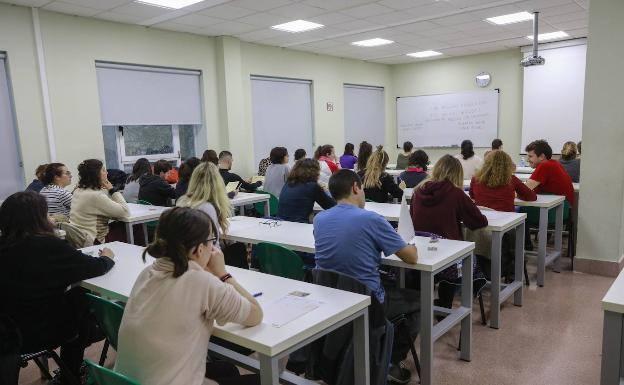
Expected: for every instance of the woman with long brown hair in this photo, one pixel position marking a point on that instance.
(379, 186)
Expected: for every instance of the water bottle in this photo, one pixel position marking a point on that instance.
(522, 162)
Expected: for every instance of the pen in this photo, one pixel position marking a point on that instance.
(257, 295)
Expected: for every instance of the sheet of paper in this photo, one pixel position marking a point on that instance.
(231, 186)
(257, 178)
(286, 309)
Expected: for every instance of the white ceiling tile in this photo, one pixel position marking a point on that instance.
(298, 11)
(437, 31)
(29, 3)
(497, 11)
(517, 42)
(538, 5)
(581, 32)
(71, 9)
(322, 44)
(418, 27)
(561, 10)
(356, 25)
(141, 10)
(462, 18)
(334, 5)
(118, 17)
(232, 28)
(404, 4)
(481, 26)
(196, 20)
(432, 9)
(584, 15)
(368, 10)
(583, 3)
(333, 18)
(459, 51)
(226, 11)
(171, 26)
(265, 33)
(263, 19)
(391, 18)
(570, 25)
(98, 4)
(257, 5)
(425, 43)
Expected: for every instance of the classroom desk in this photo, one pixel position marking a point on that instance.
(300, 237)
(612, 368)
(244, 198)
(141, 214)
(390, 211)
(394, 173)
(524, 170)
(391, 166)
(271, 343)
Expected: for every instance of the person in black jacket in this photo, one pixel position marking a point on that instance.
(416, 170)
(153, 187)
(225, 165)
(379, 186)
(37, 269)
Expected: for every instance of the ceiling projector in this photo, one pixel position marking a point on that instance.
(535, 59)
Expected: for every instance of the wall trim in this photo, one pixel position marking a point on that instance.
(596, 267)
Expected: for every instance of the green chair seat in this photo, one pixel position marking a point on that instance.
(277, 260)
(99, 375)
(273, 204)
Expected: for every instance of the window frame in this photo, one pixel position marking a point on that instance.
(131, 159)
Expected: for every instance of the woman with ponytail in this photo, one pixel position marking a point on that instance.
(470, 162)
(379, 186)
(172, 307)
(326, 157)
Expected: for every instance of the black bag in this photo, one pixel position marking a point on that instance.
(235, 254)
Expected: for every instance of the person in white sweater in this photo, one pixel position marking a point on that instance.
(469, 161)
(277, 172)
(95, 201)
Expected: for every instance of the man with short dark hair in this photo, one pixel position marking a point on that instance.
(497, 144)
(153, 188)
(225, 165)
(350, 240)
(549, 176)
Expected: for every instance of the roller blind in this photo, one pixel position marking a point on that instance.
(11, 172)
(364, 114)
(282, 115)
(136, 95)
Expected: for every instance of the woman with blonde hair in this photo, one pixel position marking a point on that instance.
(379, 186)
(495, 186)
(570, 162)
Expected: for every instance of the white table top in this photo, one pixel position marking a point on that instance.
(143, 212)
(542, 201)
(390, 211)
(614, 299)
(501, 220)
(245, 198)
(394, 173)
(264, 338)
(431, 260)
(390, 166)
(524, 170)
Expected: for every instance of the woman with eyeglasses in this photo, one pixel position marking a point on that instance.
(169, 317)
(55, 178)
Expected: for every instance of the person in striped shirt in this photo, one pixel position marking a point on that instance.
(56, 178)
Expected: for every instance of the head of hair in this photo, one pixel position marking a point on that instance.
(23, 214)
(300, 153)
(52, 170)
(466, 149)
(210, 156)
(375, 167)
(447, 168)
(305, 170)
(89, 174)
(569, 151)
(40, 171)
(364, 152)
(141, 167)
(278, 155)
(180, 230)
(325, 150)
(419, 158)
(206, 185)
(497, 144)
(341, 182)
(407, 146)
(540, 147)
(225, 154)
(497, 170)
(578, 146)
(349, 147)
(186, 169)
(161, 166)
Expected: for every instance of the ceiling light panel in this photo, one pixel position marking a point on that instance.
(172, 4)
(511, 18)
(424, 54)
(372, 42)
(297, 26)
(549, 36)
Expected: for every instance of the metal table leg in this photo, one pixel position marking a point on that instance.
(541, 247)
(558, 236)
(129, 233)
(519, 264)
(426, 327)
(267, 208)
(145, 236)
(466, 301)
(361, 357)
(495, 272)
(269, 371)
(612, 356)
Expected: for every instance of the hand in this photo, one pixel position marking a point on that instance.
(106, 184)
(216, 264)
(402, 185)
(106, 252)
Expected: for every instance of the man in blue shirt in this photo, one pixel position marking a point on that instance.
(350, 240)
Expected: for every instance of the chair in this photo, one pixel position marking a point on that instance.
(99, 375)
(108, 315)
(273, 204)
(41, 360)
(277, 260)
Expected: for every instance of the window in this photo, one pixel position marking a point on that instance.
(148, 112)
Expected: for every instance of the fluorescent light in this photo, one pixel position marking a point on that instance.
(549, 36)
(372, 42)
(172, 4)
(297, 26)
(423, 54)
(510, 18)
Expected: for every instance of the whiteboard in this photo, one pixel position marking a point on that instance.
(445, 120)
(553, 97)
(364, 114)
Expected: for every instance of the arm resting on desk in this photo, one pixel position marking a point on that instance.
(408, 254)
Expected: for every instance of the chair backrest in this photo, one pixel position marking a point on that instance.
(277, 260)
(99, 375)
(273, 203)
(108, 315)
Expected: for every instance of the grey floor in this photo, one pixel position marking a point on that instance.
(555, 338)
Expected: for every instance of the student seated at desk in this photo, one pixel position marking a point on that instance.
(495, 186)
(300, 153)
(326, 157)
(549, 176)
(154, 188)
(416, 170)
(131, 190)
(56, 178)
(403, 158)
(439, 206)
(469, 161)
(210, 156)
(497, 144)
(186, 169)
(277, 172)
(570, 162)
(37, 184)
(296, 201)
(350, 240)
(379, 186)
(348, 159)
(170, 314)
(37, 268)
(95, 201)
(225, 165)
(364, 152)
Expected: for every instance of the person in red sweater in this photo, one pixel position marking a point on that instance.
(495, 186)
(440, 206)
(549, 176)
